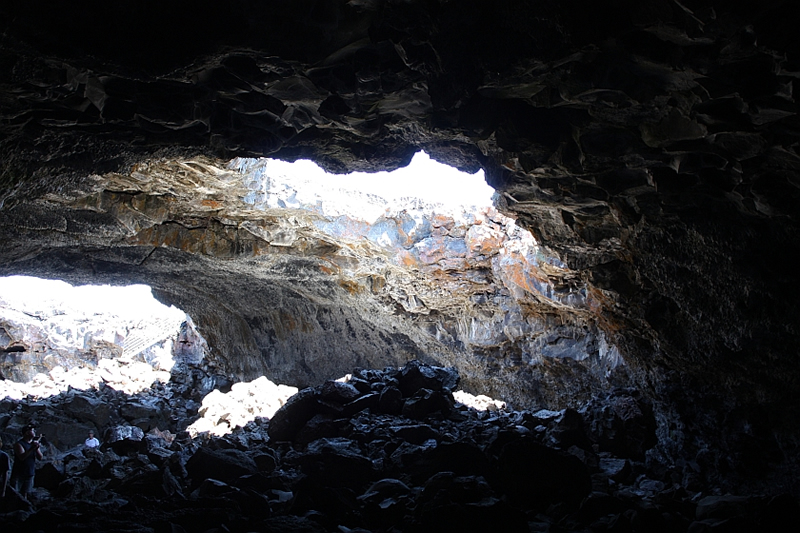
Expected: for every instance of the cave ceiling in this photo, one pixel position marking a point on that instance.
(652, 146)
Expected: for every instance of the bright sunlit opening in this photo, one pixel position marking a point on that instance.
(31, 294)
(423, 178)
(78, 336)
(366, 196)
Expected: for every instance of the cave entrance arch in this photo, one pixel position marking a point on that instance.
(286, 286)
(55, 335)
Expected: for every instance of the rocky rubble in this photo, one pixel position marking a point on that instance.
(382, 450)
(66, 417)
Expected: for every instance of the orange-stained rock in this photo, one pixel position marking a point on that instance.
(351, 287)
(214, 204)
(406, 259)
(484, 240)
(442, 221)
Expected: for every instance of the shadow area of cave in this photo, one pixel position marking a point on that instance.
(383, 450)
(136, 430)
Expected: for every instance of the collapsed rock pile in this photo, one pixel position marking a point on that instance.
(386, 451)
(64, 419)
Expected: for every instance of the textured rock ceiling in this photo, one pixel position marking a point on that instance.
(652, 145)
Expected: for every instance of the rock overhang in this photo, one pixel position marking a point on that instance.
(302, 293)
(652, 146)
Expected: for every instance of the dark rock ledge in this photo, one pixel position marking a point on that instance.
(383, 450)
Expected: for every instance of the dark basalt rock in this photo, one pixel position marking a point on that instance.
(335, 391)
(558, 476)
(123, 439)
(391, 400)
(86, 408)
(293, 415)
(624, 425)
(460, 468)
(221, 465)
(423, 403)
(334, 463)
(416, 376)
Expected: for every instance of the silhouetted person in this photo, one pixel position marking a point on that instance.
(26, 451)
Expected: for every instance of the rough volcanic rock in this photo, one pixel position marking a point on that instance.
(222, 465)
(624, 424)
(535, 476)
(475, 470)
(651, 146)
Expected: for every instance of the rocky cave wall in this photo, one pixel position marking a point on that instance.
(293, 282)
(652, 146)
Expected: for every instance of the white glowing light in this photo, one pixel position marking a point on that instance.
(61, 320)
(221, 412)
(303, 184)
(426, 179)
(480, 402)
(33, 294)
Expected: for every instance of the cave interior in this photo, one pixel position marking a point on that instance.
(652, 149)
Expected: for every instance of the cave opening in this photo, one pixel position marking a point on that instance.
(367, 195)
(301, 276)
(652, 148)
(57, 336)
(122, 341)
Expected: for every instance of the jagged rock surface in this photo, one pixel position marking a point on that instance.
(342, 457)
(328, 289)
(651, 145)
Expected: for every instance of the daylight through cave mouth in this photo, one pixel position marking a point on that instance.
(426, 216)
(55, 336)
(300, 276)
(273, 183)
